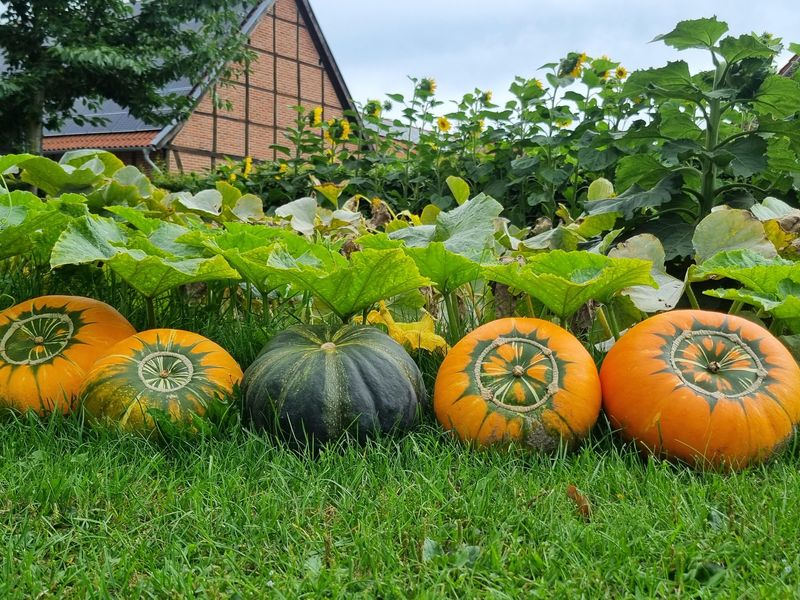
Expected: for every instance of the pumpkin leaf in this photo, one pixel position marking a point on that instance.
(12, 160)
(730, 229)
(748, 267)
(770, 284)
(207, 203)
(248, 248)
(248, 209)
(646, 298)
(78, 158)
(302, 214)
(22, 216)
(153, 275)
(88, 239)
(783, 305)
(55, 178)
(565, 281)
(467, 229)
(447, 270)
(368, 277)
(459, 188)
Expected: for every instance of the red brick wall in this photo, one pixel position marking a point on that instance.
(287, 71)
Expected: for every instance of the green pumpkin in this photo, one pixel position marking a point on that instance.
(311, 383)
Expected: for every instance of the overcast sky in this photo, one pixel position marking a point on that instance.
(465, 44)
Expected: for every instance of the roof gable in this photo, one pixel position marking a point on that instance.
(120, 121)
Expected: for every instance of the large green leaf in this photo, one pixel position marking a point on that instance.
(771, 284)
(153, 275)
(745, 46)
(674, 233)
(249, 248)
(646, 246)
(459, 188)
(778, 96)
(22, 216)
(447, 270)
(207, 203)
(79, 158)
(695, 33)
(302, 214)
(12, 160)
(55, 178)
(751, 269)
(467, 229)
(565, 281)
(88, 239)
(369, 276)
(730, 229)
(634, 199)
(749, 155)
(670, 82)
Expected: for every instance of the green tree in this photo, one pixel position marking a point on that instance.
(60, 54)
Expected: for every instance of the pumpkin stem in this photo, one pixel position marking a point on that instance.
(714, 366)
(328, 346)
(517, 371)
(38, 340)
(164, 374)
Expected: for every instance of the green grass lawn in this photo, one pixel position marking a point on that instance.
(419, 516)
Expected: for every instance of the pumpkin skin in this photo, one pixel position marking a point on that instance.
(48, 344)
(711, 389)
(160, 373)
(314, 384)
(518, 380)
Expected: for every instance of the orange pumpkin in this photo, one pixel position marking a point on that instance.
(708, 388)
(47, 345)
(161, 373)
(518, 380)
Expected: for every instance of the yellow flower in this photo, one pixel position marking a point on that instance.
(419, 335)
(487, 97)
(621, 72)
(248, 166)
(232, 177)
(373, 108)
(315, 119)
(443, 124)
(576, 70)
(538, 84)
(427, 86)
(282, 168)
(563, 122)
(481, 124)
(346, 130)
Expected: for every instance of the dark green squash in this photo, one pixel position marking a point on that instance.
(312, 383)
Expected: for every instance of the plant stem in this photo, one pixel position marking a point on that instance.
(692, 298)
(150, 309)
(453, 321)
(608, 321)
(736, 306)
(603, 319)
(709, 167)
